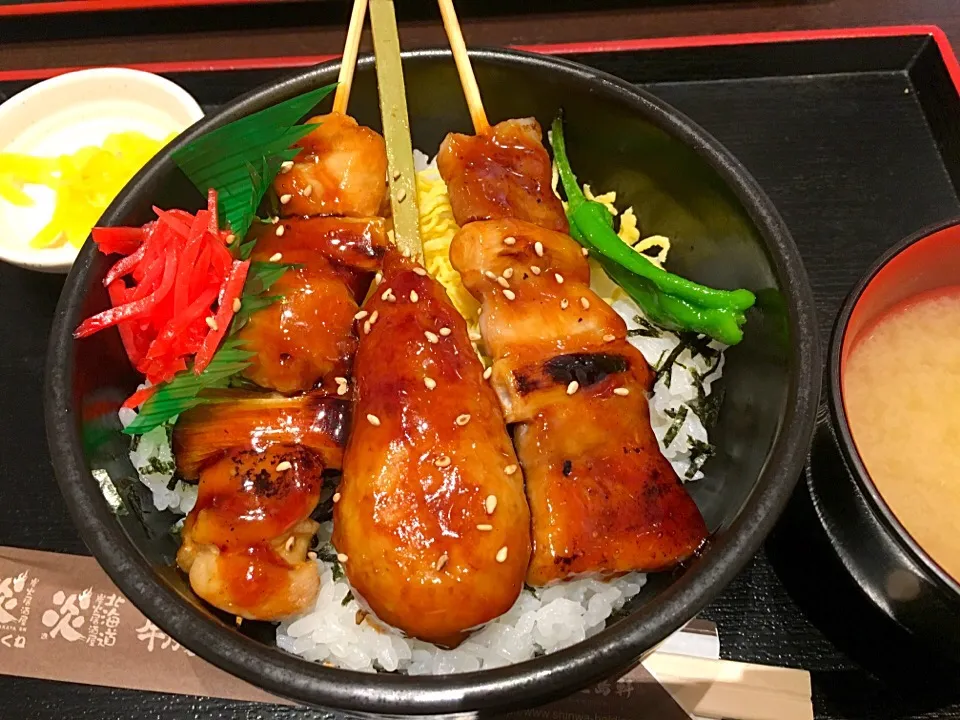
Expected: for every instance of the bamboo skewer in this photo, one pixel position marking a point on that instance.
(467, 79)
(349, 63)
(396, 128)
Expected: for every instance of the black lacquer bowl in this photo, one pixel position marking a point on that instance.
(682, 183)
(895, 573)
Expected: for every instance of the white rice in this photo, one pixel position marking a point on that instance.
(542, 620)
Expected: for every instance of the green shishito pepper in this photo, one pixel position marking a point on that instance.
(667, 299)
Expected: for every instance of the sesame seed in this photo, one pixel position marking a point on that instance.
(373, 420)
(609, 338)
(508, 273)
(308, 191)
(336, 497)
(584, 252)
(462, 419)
(275, 219)
(212, 323)
(413, 296)
(573, 387)
(474, 335)
(490, 504)
(378, 278)
(229, 240)
(312, 555)
(430, 383)
(420, 271)
(621, 391)
(509, 294)
(284, 466)
(534, 269)
(237, 305)
(342, 557)
(489, 275)
(559, 278)
(284, 199)
(502, 554)
(238, 620)
(340, 380)
(374, 316)
(289, 545)
(431, 337)
(538, 248)
(584, 303)
(366, 327)
(509, 469)
(361, 315)
(487, 373)
(286, 166)
(484, 527)
(502, 282)
(402, 195)
(444, 331)
(341, 390)
(442, 461)
(385, 295)
(510, 240)
(280, 230)
(441, 561)
(276, 257)
(564, 304)
(396, 174)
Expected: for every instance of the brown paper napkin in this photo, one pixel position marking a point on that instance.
(61, 618)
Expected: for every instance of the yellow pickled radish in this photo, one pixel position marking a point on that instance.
(85, 182)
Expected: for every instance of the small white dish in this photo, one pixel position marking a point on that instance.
(65, 113)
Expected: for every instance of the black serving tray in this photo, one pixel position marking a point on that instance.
(855, 135)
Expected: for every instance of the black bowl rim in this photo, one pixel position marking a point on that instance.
(841, 427)
(527, 683)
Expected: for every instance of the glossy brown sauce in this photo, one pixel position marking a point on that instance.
(505, 172)
(243, 499)
(254, 573)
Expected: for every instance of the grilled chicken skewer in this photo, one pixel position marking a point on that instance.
(431, 524)
(260, 460)
(306, 340)
(603, 499)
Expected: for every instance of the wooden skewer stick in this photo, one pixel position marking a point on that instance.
(349, 63)
(467, 79)
(396, 128)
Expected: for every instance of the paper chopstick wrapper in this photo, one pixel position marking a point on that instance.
(61, 618)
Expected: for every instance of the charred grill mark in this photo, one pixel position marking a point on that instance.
(566, 561)
(586, 368)
(526, 384)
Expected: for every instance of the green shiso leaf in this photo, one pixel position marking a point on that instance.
(260, 278)
(184, 391)
(222, 158)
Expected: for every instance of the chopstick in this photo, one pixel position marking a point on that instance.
(468, 80)
(396, 128)
(349, 63)
(733, 690)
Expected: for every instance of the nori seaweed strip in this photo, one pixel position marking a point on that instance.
(667, 364)
(700, 452)
(347, 598)
(678, 415)
(328, 555)
(644, 328)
